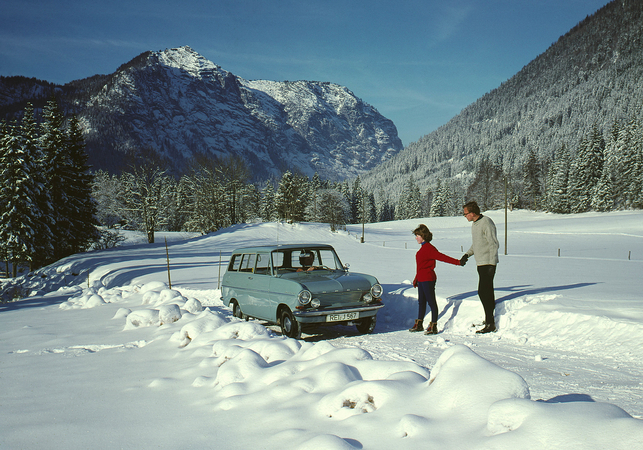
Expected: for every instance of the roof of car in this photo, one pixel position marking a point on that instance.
(270, 248)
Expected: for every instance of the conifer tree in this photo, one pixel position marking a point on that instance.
(42, 201)
(59, 175)
(531, 180)
(630, 165)
(557, 182)
(268, 210)
(383, 209)
(287, 198)
(82, 206)
(586, 171)
(18, 211)
(488, 186)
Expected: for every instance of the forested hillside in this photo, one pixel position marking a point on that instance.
(589, 80)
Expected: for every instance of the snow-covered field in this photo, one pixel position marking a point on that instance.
(105, 355)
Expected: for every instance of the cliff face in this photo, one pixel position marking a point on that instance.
(178, 104)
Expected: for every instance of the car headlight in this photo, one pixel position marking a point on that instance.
(304, 297)
(315, 303)
(376, 291)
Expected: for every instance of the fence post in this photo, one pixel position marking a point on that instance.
(167, 254)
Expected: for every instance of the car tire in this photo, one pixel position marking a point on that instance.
(367, 325)
(236, 310)
(289, 326)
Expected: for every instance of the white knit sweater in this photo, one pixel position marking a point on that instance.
(485, 242)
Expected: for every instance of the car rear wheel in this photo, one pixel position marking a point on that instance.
(236, 310)
(289, 326)
(367, 325)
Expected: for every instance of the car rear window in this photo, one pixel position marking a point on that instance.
(235, 261)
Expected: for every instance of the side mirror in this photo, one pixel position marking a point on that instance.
(346, 266)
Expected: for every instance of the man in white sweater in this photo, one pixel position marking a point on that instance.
(485, 250)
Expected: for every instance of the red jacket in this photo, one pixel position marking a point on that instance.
(425, 259)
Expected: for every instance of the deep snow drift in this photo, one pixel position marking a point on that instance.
(103, 354)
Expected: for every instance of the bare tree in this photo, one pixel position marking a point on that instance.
(149, 192)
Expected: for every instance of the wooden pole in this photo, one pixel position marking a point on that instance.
(505, 214)
(167, 254)
(219, 279)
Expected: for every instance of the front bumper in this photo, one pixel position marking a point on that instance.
(319, 315)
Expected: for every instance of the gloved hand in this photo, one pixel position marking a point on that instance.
(464, 259)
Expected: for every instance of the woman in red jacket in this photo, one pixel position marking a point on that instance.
(425, 278)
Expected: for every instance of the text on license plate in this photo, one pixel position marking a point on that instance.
(342, 316)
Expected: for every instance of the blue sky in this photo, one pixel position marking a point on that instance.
(419, 62)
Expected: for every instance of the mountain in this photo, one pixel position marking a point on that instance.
(591, 75)
(179, 104)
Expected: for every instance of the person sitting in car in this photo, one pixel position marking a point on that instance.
(306, 260)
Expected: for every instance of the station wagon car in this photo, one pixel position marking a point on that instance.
(299, 285)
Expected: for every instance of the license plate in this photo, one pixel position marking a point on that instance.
(342, 317)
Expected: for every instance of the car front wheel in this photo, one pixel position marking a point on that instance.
(367, 325)
(289, 326)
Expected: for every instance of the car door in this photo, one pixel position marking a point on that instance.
(263, 305)
(246, 288)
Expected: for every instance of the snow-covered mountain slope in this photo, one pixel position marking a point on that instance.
(179, 104)
(590, 77)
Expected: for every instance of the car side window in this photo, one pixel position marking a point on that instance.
(248, 262)
(280, 263)
(263, 264)
(328, 259)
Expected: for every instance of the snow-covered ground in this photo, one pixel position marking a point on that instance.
(104, 355)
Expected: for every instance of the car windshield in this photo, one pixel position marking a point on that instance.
(305, 259)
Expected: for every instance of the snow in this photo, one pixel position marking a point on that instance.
(104, 354)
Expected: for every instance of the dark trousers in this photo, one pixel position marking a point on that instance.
(485, 291)
(426, 294)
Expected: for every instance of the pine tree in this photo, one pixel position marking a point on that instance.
(604, 198)
(250, 203)
(82, 206)
(586, 171)
(268, 210)
(410, 204)
(59, 174)
(234, 174)
(284, 196)
(557, 182)
(442, 204)
(531, 180)
(18, 211)
(384, 211)
(630, 165)
(42, 201)
(488, 186)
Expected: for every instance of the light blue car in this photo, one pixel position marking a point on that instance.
(299, 285)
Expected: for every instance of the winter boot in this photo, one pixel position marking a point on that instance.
(488, 328)
(432, 328)
(418, 325)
